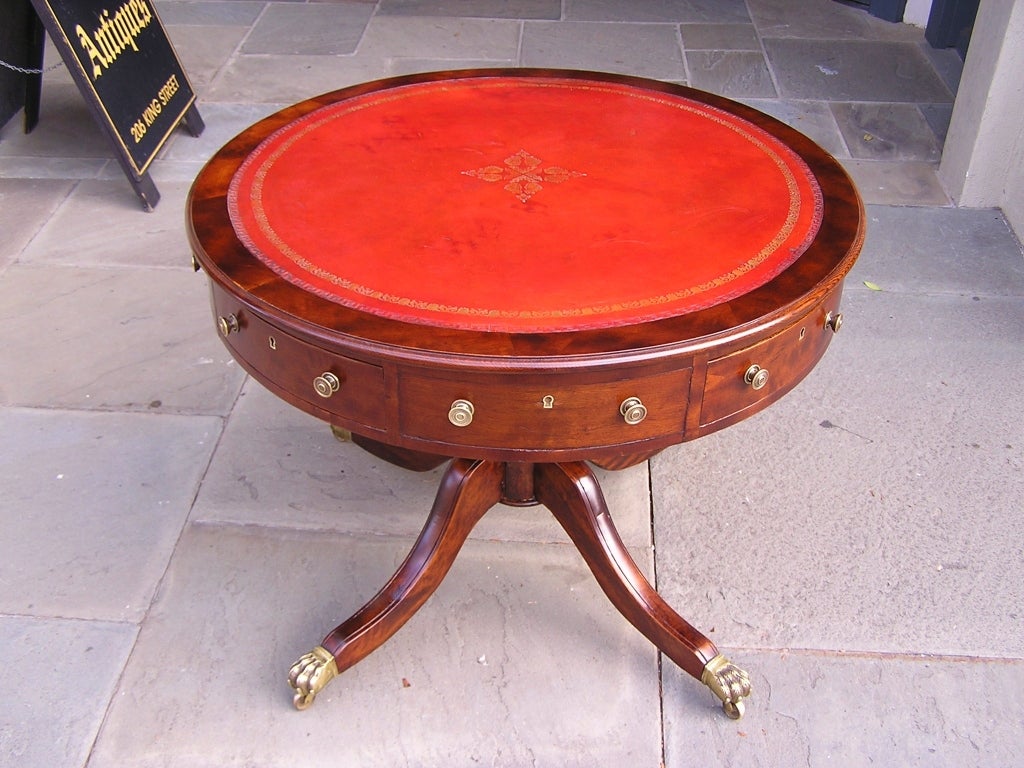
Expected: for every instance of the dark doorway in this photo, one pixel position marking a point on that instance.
(21, 47)
(950, 24)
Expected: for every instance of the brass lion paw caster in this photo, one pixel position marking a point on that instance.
(310, 674)
(729, 683)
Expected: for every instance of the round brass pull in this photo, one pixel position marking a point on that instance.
(834, 321)
(632, 410)
(326, 384)
(461, 413)
(228, 324)
(756, 376)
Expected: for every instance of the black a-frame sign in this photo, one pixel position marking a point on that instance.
(125, 66)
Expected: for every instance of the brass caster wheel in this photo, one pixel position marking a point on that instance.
(729, 683)
(310, 674)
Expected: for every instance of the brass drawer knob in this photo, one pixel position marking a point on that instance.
(834, 321)
(756, 376)
(228, 324)
(326, 384)
(461, 413)
(632, 410)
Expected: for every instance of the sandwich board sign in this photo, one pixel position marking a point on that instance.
(126, 69)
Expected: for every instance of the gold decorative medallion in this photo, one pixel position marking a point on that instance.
(523, 175)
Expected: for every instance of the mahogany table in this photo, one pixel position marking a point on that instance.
(519, 272)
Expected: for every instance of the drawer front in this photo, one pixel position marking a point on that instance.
(351, 389)
(751, 378)
(536, 412)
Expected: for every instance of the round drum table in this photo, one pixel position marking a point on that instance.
(521, 271)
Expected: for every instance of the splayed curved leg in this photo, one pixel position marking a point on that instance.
(468, 489)
(574, 497)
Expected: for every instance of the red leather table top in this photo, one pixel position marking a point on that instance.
(522, 206)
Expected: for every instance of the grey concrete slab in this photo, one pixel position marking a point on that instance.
(720, 37)
(440, 38)
(53, 709)
(717, 11)
(961, 251)
(92, 505)
(854, 70)
(887, 132)
(648, 50)
(825, 709)
(736, 74)
(107, 338)
(911, 182)
(822, 19)
(72, 236)
(814, 119)
(309, 29)
(894, 529)
(492, 9)
(25, 206)
(517, 659)
(277, 466)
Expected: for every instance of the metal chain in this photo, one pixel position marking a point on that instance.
(25, 71)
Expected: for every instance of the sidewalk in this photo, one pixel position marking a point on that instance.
(174, 537)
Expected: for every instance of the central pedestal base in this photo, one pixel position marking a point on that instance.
(468, 490)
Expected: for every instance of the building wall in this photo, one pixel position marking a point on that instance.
(983, 159)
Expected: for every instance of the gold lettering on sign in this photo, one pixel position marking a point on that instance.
(114, 34)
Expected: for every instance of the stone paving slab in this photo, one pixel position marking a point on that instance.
(894, 530)
(646, 50)
(308, 29)
(715, 11)
(203, 50)
(854, 70)
(53, 703)
(277, 466)
(112, 338)
(93, 504)
(720, 37)
(440, 38)
(887, 132)
(814, 119)
(819, 709)
(496, 669)
(735, 74)
(492, 9)
(821, 19)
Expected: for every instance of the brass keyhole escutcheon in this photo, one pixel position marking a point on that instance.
(756, 376)
(461, 413)
(228, 324)
(326, 384)
(548, 402)
(834, 321)
(633, 410)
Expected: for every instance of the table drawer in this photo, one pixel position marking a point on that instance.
(350, 389)
(756, 376)
(531, 412)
